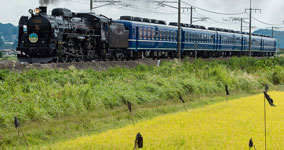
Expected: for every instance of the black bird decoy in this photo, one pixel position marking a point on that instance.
(129, 106)
(180, 97)
(269, 99)
(227, 90)
(18, 128)
(251, 144)
(16, 122)
(138, 141)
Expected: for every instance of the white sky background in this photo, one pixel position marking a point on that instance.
(272, 10)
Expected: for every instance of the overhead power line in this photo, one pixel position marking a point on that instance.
(214, 12)
(265, 22)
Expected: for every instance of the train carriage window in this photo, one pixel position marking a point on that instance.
(165, 35)
(175, 36)
(207, 38)
(157, 35)
(161, 35)
(153, 34)
(168, 35)
(196, 37)
(145, 33)
(149, 34)
(140, 33)
(188, 36)
(133, 33)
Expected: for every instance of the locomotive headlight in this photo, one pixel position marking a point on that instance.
(37, 10)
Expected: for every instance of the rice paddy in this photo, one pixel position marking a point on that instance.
(227, 125)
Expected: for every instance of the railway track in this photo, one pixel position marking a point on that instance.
(97, 65)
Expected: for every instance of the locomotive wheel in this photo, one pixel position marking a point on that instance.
(80, 58)
(65, 59)
(56, 59)
(72, 59)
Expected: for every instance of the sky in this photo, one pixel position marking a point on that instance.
(272, 12)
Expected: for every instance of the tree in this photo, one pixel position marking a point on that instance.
(1, 43)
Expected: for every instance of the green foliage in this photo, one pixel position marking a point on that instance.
(46, 94)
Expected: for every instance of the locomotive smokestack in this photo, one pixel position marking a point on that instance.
(43, 9)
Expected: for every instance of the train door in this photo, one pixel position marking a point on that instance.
(156, 37)
(243, 43)
(138, 35)
(262, 44)
(182, 32)
(215, 41)
(232, 41)
(219, 42)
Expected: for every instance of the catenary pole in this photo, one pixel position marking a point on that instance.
(179, 30)
(250, 30)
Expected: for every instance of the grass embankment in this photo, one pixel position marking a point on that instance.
(227, 126)
(69, 95)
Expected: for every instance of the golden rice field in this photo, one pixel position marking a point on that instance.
(224, 126)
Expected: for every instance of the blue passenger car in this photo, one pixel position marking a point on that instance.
(152, 38)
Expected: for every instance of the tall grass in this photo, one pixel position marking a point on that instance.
(46, 94)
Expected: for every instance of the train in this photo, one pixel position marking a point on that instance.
(66, 36)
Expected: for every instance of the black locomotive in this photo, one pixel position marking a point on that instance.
(65, 36)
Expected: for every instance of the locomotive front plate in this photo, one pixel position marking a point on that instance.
(33, 38)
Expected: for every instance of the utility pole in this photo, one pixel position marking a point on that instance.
(237, 19)
(242, 25)
(179, 30)
(274, 28)
(91, 5)
(191, 14)
(250, 23)
(272, 34)
(250, 30)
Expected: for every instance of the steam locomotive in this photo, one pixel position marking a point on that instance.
(65, 36)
